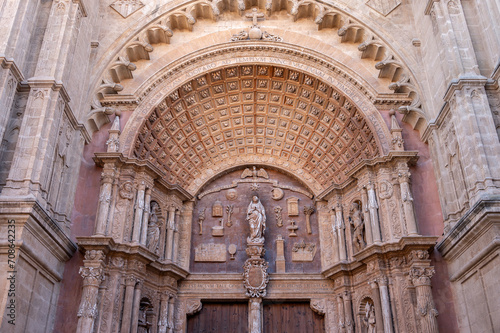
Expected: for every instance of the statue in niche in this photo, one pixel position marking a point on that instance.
(369, 319)
(153, 228)
(144, 325)
(356, 220)
(256, 217)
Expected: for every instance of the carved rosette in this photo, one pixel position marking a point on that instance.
(255, 277)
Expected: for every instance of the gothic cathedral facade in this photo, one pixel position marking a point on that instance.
(249, 166)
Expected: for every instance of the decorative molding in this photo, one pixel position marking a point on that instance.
(126, 7)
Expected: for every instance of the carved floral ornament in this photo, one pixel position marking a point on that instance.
(261, 110)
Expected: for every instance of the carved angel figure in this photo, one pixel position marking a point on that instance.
(153, 228)
(256, 217)
(356, 220)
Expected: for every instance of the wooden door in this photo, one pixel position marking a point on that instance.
(219, 317)
(291, 317)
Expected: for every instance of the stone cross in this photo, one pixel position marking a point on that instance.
(254, 15)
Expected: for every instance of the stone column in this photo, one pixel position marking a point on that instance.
(104, 199)
(340, 232)
(184, 226)
(171, 324)
(136, 307)
(386, 304)
(280, 254)
(335, 239)
(255, 315)
(92, 274)
(114, 195)
(128, 303)
(349, 321)
(163, 323)
(139, 208)
(145, 217)
(404, 181)
(426, 311)
(366, 215)
(175, 243)
(378, 306)
(373, 207)
(170, 233)
(340, 305)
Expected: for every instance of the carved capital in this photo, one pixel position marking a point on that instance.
(130, 280)
(91, 275)
(421, 276)
(382, 280)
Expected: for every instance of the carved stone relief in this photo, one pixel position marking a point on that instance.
(244, 207)
(293, 206)
(303, 251)
(210, 253)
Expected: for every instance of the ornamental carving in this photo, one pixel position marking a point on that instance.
(318, 306)
(193, 306)
(94, 255)
(421, 276)
(255, 277)
(91, 275)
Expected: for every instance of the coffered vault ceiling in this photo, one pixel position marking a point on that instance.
(256, 109)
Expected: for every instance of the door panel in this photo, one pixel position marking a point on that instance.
(292, 317)
(219, 317)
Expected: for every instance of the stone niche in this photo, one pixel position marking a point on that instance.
(239, 229)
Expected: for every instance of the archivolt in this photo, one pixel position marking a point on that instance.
(247, 104)
(161, 28)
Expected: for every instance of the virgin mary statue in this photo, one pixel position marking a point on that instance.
(256, 217)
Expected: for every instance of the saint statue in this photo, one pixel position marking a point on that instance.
(356, 220)
(256, 217)
(369, 320)
(153, 228)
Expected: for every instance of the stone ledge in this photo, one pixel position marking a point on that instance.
(480, 217)
(25, 211)
(401, 247)
(134, 251)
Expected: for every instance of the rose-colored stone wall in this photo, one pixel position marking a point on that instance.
(430, 221)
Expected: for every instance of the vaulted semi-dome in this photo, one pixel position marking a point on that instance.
(262, 110)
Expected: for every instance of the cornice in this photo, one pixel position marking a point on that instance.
(407, 156)
(383, 250)
(10, 63)
(119, 160)
(461, 82)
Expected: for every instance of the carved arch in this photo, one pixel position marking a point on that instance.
(373, 44)
(174, 83)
